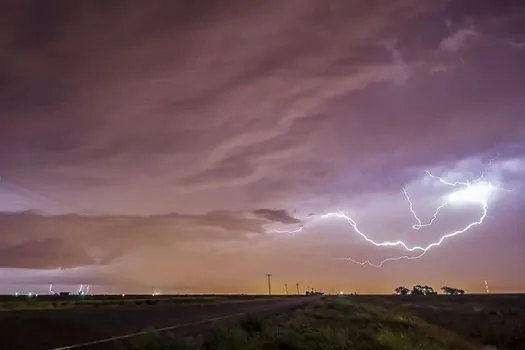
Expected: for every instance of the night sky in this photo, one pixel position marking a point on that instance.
(160, 144)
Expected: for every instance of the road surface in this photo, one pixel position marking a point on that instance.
(63, 328)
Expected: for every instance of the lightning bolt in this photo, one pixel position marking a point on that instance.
(421, 249)
(475, 191)
(297, 230)
(453, 184)
(420, 224)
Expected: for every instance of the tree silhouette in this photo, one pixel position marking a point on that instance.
(402, 290)
(417, 290)
(422, 290)
(452, 291)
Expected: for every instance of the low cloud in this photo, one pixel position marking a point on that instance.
(458, 39)
(281, 216)
(32, 240)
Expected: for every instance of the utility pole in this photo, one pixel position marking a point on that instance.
(286, 288)
(297, 286)
(269, 275)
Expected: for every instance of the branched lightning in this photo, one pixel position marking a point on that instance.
(422, 250)
(454, 184)
(420, 224)
(475, 192)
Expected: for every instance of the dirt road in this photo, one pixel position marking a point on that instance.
(52, 329)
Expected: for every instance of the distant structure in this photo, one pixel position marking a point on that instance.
(268, 276)
(286, 288)
(297, 286)
(487, 287)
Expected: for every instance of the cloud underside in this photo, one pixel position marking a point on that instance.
(32, 240)
(200, 105)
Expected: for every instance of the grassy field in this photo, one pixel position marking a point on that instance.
(388, 323)
(11, 303)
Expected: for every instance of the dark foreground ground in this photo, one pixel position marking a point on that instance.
(23, 302)
(371, 323)
(59, 327)
(474, 322)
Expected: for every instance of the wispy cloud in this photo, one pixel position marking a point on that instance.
(137, 136)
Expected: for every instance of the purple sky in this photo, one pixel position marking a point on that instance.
(158, 145)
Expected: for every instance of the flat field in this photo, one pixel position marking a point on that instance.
(23, 302)
(473, 322)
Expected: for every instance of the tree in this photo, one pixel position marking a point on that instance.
(417, 290)
(402, 290)
(429, 290)
(423, 290)
(452, 291)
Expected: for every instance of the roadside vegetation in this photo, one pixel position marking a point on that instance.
(24, 303)
(382, 323)
(32, 304)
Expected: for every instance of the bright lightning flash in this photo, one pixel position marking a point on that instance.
(476, 192)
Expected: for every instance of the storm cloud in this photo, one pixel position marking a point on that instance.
(126, 129)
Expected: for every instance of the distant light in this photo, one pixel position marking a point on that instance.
(123, 295)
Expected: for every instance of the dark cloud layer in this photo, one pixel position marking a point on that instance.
(115, 115)
(277, 215)
(32, 240)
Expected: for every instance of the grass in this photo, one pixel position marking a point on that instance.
(22, 303)
(335, 323)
